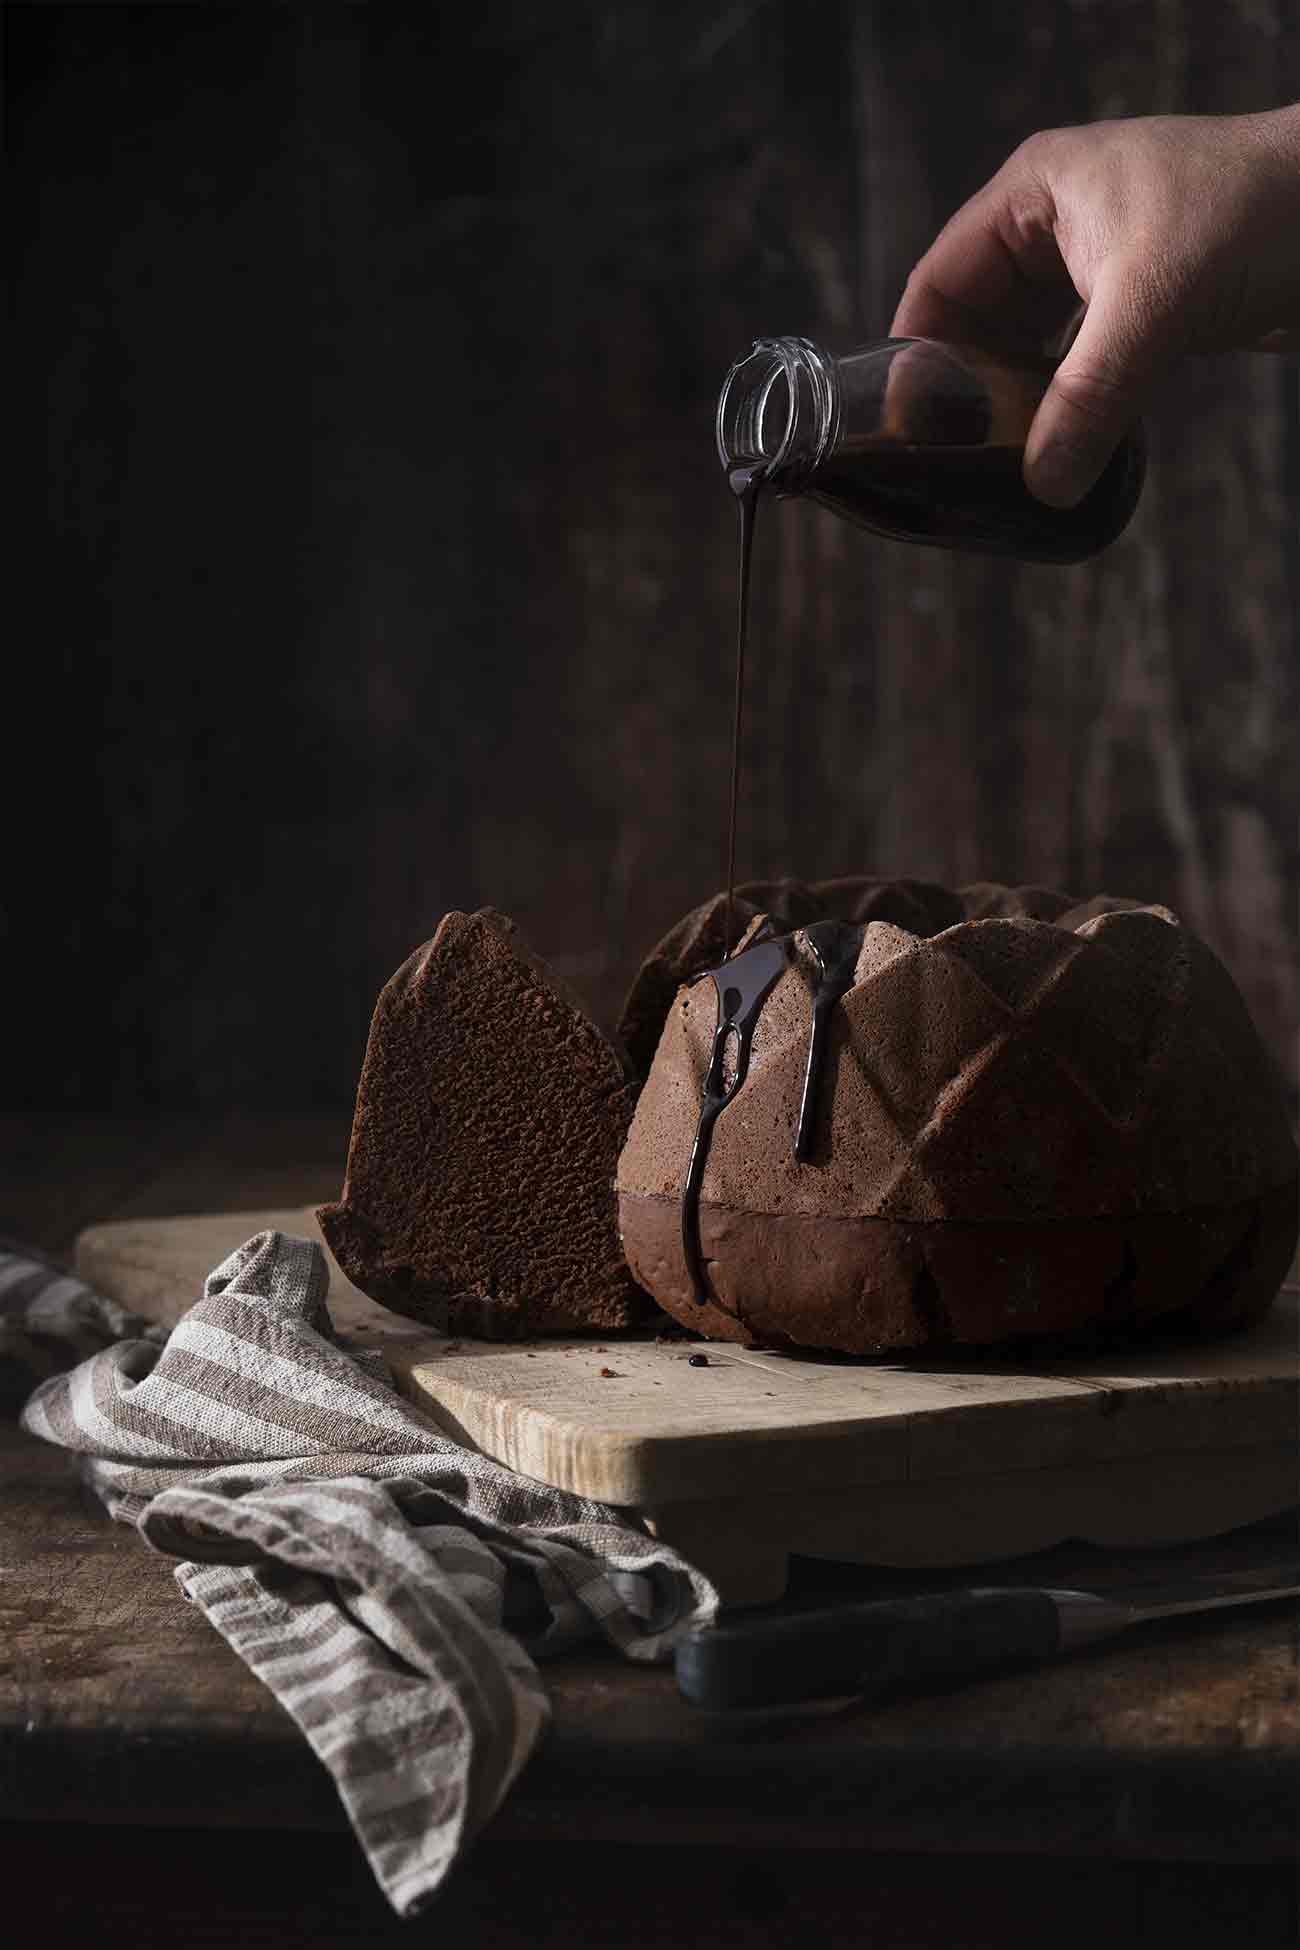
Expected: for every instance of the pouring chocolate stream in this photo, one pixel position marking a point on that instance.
(914, 440)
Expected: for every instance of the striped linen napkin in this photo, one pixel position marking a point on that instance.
(386, 1584)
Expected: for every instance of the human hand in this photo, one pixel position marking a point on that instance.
(1179, 233)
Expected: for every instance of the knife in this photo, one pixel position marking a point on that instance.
(889, 1646)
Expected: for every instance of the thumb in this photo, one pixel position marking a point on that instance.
(1095, 394)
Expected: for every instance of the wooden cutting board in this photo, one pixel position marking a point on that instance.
(755, 1457)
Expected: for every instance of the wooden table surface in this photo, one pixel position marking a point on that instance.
(118, 1704)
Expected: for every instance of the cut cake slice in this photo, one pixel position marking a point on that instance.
(479, 1194)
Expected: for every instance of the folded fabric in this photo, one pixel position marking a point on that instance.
(388, 1585)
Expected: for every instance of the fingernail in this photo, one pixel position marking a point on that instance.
(1057, 477)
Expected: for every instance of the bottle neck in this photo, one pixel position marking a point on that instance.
(779, 412)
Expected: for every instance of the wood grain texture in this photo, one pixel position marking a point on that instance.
(162, 1264)
(373, 545)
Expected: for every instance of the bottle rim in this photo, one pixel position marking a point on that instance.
(744, 429)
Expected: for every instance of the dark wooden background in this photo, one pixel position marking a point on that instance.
(371, 557)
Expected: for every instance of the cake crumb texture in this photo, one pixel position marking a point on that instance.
(489, 1118)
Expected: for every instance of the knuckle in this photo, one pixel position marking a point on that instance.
(1027, 215)
(1040, 151)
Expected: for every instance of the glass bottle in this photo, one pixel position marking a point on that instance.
(916, 440)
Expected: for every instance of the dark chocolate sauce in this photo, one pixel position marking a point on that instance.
(743, 984)
(974, 497)
(745, 481)
(835, 947)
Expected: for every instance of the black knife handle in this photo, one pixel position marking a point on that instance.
(886, 1646)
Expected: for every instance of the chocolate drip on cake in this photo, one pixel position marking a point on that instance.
(699, 940)
(835, 947)
(743, 985)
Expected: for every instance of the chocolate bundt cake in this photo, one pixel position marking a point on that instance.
(955, 1120)
(490, 1112)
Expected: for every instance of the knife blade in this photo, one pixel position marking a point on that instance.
(884, 1647)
